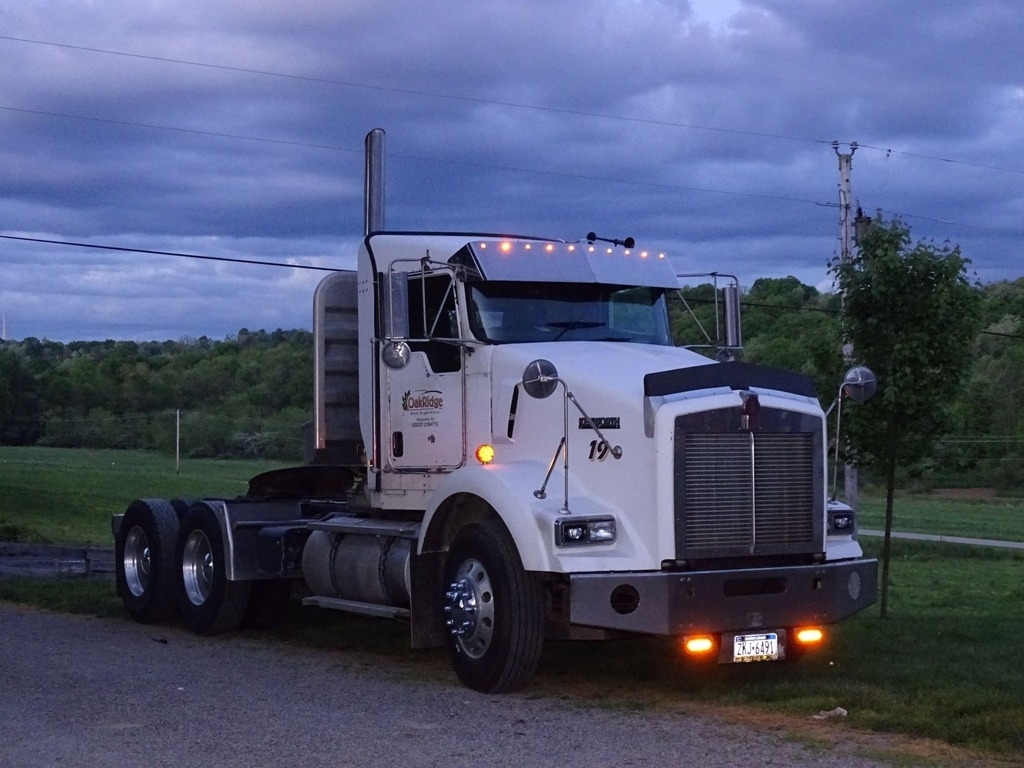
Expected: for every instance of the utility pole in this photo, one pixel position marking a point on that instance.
(177, 441)
(850, 479)
(845, 206)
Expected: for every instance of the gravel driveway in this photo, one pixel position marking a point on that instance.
(79, 691)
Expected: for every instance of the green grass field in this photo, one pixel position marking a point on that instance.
(63, 496)
(943, 665)
(979, 518)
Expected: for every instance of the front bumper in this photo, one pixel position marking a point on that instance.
(685, 602)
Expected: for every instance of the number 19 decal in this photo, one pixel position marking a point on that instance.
(600, 450)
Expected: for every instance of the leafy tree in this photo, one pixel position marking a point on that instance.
(791, 325)
(990, 415)
(20, 407)
(124, 394)
(912, 316)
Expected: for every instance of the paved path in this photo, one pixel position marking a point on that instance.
(945, 539)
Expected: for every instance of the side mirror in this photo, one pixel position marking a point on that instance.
(859, 384)
(395, 355)
(540, 379)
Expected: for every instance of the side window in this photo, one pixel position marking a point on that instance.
(433, 315)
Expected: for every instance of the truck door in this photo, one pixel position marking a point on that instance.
(424, 419)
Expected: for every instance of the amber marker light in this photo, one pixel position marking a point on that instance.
(809, 635)
(698, 645)
(506, 247)
(485, 454)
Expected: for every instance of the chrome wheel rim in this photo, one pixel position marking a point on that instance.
(136, 561)
(469, 609)
(197, 567)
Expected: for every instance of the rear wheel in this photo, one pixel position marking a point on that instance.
(208, 601)
(494, 610)
(144, 553)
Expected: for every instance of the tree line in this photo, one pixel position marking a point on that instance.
(247, 395)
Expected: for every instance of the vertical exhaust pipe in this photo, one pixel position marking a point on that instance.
(733, 332)
(373, 182)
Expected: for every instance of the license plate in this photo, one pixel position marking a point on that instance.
(762, 647)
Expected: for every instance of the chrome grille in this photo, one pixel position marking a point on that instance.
(748, 493)
(718, 491)
(784, 489)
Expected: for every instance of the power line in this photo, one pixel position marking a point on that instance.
(486, 166)
(490, 102)
(919, 156)
(412, 91)
(446, 161)
(490, 166)
(194, 131)
(177, 254)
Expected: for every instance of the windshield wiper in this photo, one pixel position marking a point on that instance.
(572, 325)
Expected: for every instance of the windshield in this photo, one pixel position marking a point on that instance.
(506, 312)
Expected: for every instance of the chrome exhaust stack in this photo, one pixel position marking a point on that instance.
(373, 182)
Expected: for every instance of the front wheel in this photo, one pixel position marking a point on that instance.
(208, 601)
(494, 610)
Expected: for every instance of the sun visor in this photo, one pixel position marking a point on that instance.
(541, 261)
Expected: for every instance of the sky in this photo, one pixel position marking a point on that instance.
(703, 128)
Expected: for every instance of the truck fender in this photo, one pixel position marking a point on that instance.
(508, 491)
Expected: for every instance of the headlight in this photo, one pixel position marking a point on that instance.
(569, 533)
(841, 520)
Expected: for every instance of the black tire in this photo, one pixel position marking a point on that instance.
(145, 559)
(494, 611)
(181, 506)
(268, 603)
(209, 603)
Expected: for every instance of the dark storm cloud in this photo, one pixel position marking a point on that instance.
(235, 129)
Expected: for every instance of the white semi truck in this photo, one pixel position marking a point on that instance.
(508, 447)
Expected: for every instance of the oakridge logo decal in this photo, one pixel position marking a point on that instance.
(424, 400)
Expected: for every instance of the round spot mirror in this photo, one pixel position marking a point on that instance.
(540, 379)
